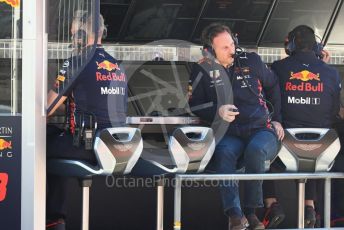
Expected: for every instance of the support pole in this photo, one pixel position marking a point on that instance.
(160, 205)
(301, 204)
(177, 204)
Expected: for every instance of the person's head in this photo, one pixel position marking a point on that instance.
(301, 38)
(83, 24)
(101, 28)
(219, 41)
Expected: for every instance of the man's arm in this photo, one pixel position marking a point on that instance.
(325, 56)
(272, 90)
(52, 95)
(273, 95)
(199, 104)
(60, 83)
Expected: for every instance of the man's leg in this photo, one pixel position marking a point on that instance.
(56, 197)
(226, 155)
(273, 214)
(60, 145)
(56, 187)
(261, 147)
(310, 196)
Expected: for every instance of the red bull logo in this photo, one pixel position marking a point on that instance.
(3, 186)
(108, 65)
(5, 144)
(110, 77)
(304, 75)
(13, 3)
(304, 87)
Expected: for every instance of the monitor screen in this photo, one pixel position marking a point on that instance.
(157, 88)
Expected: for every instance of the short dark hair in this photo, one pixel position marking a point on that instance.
(303, 36)
(211, 31)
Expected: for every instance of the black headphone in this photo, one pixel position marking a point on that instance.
(290, 45)
(207, 36)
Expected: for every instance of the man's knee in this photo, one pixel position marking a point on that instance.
(264, 149)
(256, 151)
(255, 158)
(229, 148)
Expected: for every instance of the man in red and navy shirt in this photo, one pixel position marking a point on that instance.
(310, 92)
(97, 99)
(247, 121)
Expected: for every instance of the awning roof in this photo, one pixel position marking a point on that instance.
(257, 22)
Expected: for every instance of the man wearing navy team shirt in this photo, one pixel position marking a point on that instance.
(97, 95)
(250, 134)
(310, 99)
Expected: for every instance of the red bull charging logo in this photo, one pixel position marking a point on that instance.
(304, 75)
(3, 186)
(5, 144)
(107, 65)
(13, 3)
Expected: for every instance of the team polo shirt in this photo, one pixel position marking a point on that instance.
(310, 91)
(209, 89)
(100, 89)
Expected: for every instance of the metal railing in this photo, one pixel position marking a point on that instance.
(301, 177)
(150, 51)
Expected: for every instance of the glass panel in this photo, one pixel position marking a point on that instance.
(61, 15)
(337, 33)
(114, 14)
(244, 17)
(153, 19)
(71, 40)
(10, 57)
(289, 14)
(247, 31)
(237, 9)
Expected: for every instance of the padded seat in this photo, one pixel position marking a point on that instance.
(189, 149)
(308, 150)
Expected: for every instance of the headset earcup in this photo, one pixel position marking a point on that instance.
(212, 51)
(286, 46)
(289, 45)
(208, 52)
(236, 40)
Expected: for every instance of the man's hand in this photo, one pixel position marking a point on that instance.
(341, 113)
(279, 129)
(228, 112)
(326, 56)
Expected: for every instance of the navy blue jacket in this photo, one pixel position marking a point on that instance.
(205, 99)
(100, 89)
(310, 91)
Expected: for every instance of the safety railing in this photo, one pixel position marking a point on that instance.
(150, 51)
(268, 176)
